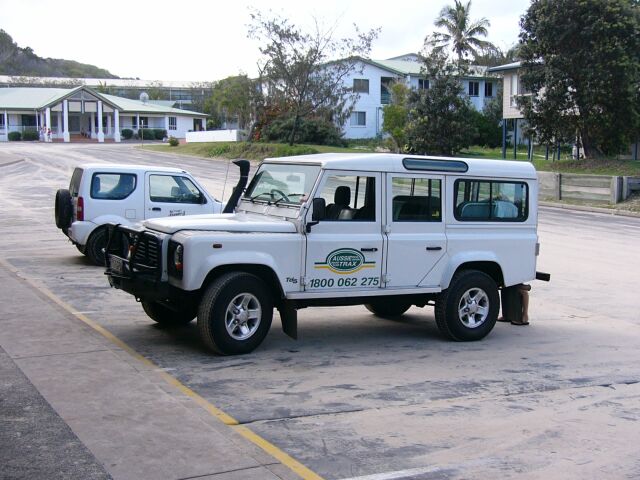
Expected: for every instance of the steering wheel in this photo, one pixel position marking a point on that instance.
(283, 196)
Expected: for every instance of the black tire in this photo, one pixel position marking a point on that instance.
(468, 309)
(96, 244)
(81, 249)
(389, 308)
(63, 209)
(229, 333)
(166, 316)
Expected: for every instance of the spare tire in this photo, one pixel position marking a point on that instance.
(63, 209)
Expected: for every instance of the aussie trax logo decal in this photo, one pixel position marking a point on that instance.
(345, 261)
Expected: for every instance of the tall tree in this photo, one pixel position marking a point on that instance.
(231, 100)
(395, 115)
(461, 34)
(584, 74)
(440, 120)
(304, 73)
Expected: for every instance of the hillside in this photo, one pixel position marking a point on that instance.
(18, 61)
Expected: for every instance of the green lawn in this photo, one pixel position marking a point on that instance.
(259, 151)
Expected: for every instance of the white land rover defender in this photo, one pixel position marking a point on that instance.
(383, 230)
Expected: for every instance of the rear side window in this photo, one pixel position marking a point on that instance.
(173, 189)
(74, 184)
(416, 199)
(112, 186)
(491, 201)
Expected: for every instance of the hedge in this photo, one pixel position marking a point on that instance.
(15, 136)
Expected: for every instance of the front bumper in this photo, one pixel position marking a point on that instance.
(135, 263)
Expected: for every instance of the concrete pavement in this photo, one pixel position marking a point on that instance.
(100, 411)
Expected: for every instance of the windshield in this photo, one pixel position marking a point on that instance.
(287, 184)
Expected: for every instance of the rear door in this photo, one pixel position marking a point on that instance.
(416, 238)
(173, 194)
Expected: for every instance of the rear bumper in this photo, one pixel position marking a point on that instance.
(79, 232)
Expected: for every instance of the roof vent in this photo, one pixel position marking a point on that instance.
(144, 97)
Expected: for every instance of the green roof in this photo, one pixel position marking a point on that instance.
(38, 98)
(26, 98)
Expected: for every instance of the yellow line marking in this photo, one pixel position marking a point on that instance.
(254, 438)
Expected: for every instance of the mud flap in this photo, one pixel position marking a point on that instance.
(512, 304)
(289, 317)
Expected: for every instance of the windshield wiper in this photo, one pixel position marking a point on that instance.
(259, 195)
(287, 197)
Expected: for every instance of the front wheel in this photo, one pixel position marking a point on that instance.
(468, 309)
(95, 246)
(235, 314)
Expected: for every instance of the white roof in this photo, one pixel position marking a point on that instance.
(391, 162)
(128, 168)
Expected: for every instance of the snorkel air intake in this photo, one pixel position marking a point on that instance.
(243, 165)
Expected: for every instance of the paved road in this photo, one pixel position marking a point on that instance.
(357, 395)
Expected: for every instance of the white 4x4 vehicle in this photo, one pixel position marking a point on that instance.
(99, 194)
(387, 231)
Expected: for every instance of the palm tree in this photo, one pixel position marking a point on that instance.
(460, 33)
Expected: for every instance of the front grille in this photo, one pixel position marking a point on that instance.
(147, 253)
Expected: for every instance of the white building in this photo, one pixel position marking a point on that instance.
(67, 114)
(372, 78)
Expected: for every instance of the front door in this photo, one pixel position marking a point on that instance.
(170, 195)
(344, 251)
(415, 229)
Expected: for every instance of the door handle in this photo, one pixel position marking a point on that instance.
(374, 249)
(433, 249)
(156, 209)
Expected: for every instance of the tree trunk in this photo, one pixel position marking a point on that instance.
(294, 130)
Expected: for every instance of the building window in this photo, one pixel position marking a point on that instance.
(361, 85)
(134, 123)
(488, 89)
(423, 83)
(2, 122)
(514, 90)
(144, 122)
(173, 123)
(474, 89)
(28, 120)
(358, 119)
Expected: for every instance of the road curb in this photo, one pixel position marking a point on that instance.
(586, 208)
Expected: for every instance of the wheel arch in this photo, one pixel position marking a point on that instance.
(263, 272)
(489, 267)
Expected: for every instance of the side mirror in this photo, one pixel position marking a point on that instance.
(319, 209)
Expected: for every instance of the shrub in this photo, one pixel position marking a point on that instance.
(316, 131)
(127, 133)
(30, 135)
(15, 136)
(147, 134)
(160, 133)
(173, 141)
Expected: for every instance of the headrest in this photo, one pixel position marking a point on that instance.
(342, 195)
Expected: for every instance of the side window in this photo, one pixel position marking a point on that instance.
(485, 200)
(173, 189)
(416, 199)
(112, 186)
(350, 198)
(74, 184)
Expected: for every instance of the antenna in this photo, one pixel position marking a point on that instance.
(226, 175)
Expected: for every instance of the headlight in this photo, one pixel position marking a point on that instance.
(177, 257)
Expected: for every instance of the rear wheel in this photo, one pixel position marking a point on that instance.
(388, 308)
(63, 209)
(468, 309)
(166, 316)
(235, 313)
(95, 246)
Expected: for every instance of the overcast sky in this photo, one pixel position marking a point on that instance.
(207, 40)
